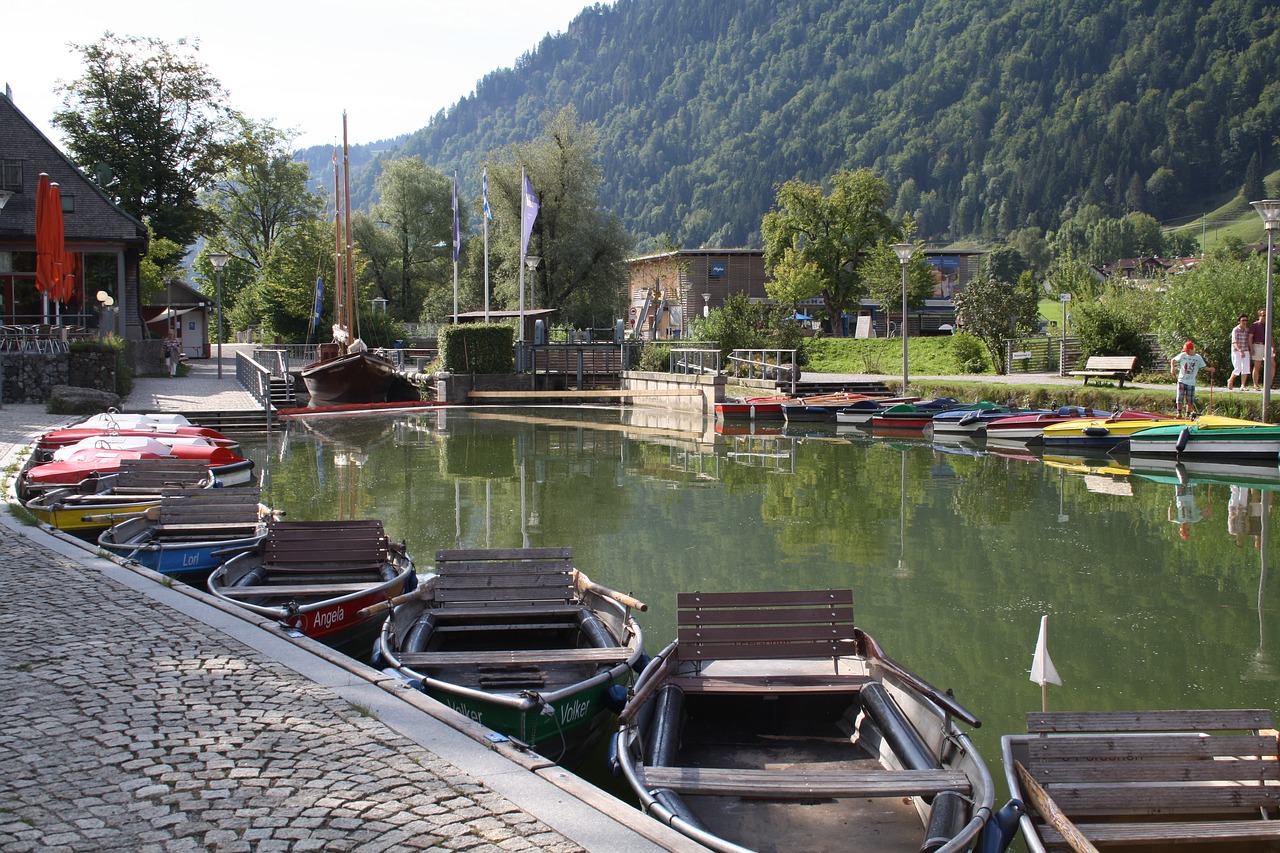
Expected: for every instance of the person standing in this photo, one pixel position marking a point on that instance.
(1258, 336)
(1186, 365)
(1241, 350)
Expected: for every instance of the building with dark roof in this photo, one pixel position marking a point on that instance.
(106, 241)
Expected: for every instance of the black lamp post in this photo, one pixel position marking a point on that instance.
(1269, 210)
(904, 251)
(219, 260)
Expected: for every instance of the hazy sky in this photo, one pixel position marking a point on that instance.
(391, 64)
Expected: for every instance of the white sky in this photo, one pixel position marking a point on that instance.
(391, 64)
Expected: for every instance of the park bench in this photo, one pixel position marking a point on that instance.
(1118, 367)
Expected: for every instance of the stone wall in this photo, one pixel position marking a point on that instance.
(29, 377)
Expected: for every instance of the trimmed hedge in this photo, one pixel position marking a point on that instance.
(478, 348)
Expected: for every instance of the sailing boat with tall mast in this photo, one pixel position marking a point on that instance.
(346, 371)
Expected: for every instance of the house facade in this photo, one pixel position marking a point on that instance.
(667, 291)
(104, 242)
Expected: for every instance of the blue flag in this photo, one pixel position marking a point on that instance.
(315, 313)
(457, 232)
(528, 215)
(484, 191)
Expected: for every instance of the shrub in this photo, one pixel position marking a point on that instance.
(478, 348)
(969, 352)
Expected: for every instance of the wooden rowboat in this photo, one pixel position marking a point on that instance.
(1147, 780)
(520, 642)
(316, 576)
(772, 722)
(191, 531)
(97, 502)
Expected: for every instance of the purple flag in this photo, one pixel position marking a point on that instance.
(315, 319)
(457, 233)
(528, 215)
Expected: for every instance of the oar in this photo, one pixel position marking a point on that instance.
(945, 700)
(113, 517)
(391, 603)
(1048, 809)
(585, 585)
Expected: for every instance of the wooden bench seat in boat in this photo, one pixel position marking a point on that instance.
(341, 546)
(526, 578)
(748, 625)
(196, 507)
(150, 476)
(1159, 777)
(328, 590)
(810, 782)
(515, 656)
(773, 683)
(1119, 367)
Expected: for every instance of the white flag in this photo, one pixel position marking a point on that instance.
(1042, 669)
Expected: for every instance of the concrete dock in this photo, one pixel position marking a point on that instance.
(138, 714)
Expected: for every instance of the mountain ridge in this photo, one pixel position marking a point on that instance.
(984, 116)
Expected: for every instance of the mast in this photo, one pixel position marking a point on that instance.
(346, 209)
(338, 307)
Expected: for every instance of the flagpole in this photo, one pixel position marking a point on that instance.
(484, 186)
(456, 243)
(520, 336)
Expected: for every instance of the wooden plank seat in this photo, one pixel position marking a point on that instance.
(1118, 367)
(343, 546)
(209, 506)
(328, 590)
(746, 625)
(522, 577)
(803, 784)
(1159, 777)
(150, 476)
(771, 683)
(515, 656)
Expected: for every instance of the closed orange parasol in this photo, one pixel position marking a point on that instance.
(54, 268)
(44, 239)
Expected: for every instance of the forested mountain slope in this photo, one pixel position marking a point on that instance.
(984, 115)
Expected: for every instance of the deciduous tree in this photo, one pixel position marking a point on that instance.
(833, 231)
(153, 127)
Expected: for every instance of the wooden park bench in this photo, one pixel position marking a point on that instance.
(1153, 777)
(1118, 367)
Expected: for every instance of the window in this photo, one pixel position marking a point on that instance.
(11, 175)
(68, 203)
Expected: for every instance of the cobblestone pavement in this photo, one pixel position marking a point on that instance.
(127, 726)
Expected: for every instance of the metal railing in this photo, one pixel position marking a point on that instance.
(256, 379)
(699, 361)
(778, 365)
(275, 360)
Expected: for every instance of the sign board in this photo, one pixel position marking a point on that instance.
(716, 270)
(864, 328)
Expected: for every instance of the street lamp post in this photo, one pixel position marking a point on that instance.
(1269, 210)
(904, 251)
(219, 260)
(532, 261)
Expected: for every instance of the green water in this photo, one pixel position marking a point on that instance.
(953, 553)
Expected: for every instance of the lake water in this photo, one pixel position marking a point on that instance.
(1158, 592)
